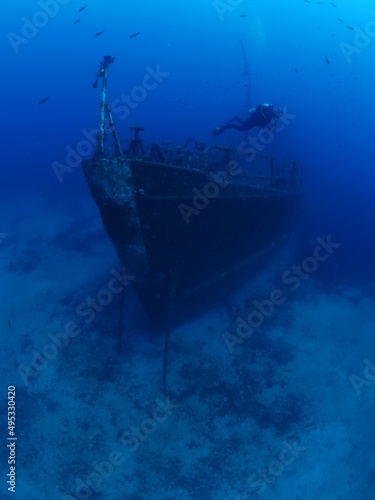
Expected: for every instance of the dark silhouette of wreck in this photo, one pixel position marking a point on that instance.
(188, 222)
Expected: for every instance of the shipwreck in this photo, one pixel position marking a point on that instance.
(187, 222)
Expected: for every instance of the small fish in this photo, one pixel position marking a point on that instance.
(327, 61)
(243, 15)
(350, 28)
(341, 21)
(43, 100)
(8, 322)
(295, 70)
(77, 20)
(134, 35)
(99, 33)
(82, 8)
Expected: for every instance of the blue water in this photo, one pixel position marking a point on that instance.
(185, 74)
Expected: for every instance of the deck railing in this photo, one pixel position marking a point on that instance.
(255, 169)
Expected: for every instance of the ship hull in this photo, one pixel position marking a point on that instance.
(183, 234)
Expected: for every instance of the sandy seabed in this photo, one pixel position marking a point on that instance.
(284, 413)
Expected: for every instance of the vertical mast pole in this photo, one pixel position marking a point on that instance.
(102, 73)
(247, 73)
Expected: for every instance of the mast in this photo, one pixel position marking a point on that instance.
(246, 73)
(105, 107)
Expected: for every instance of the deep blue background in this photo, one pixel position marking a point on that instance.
(287, 44)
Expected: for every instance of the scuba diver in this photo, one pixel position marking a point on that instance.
(261, 116)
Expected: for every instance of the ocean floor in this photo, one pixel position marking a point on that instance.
(284, 410)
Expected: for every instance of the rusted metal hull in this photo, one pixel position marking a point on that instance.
(185, 234)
